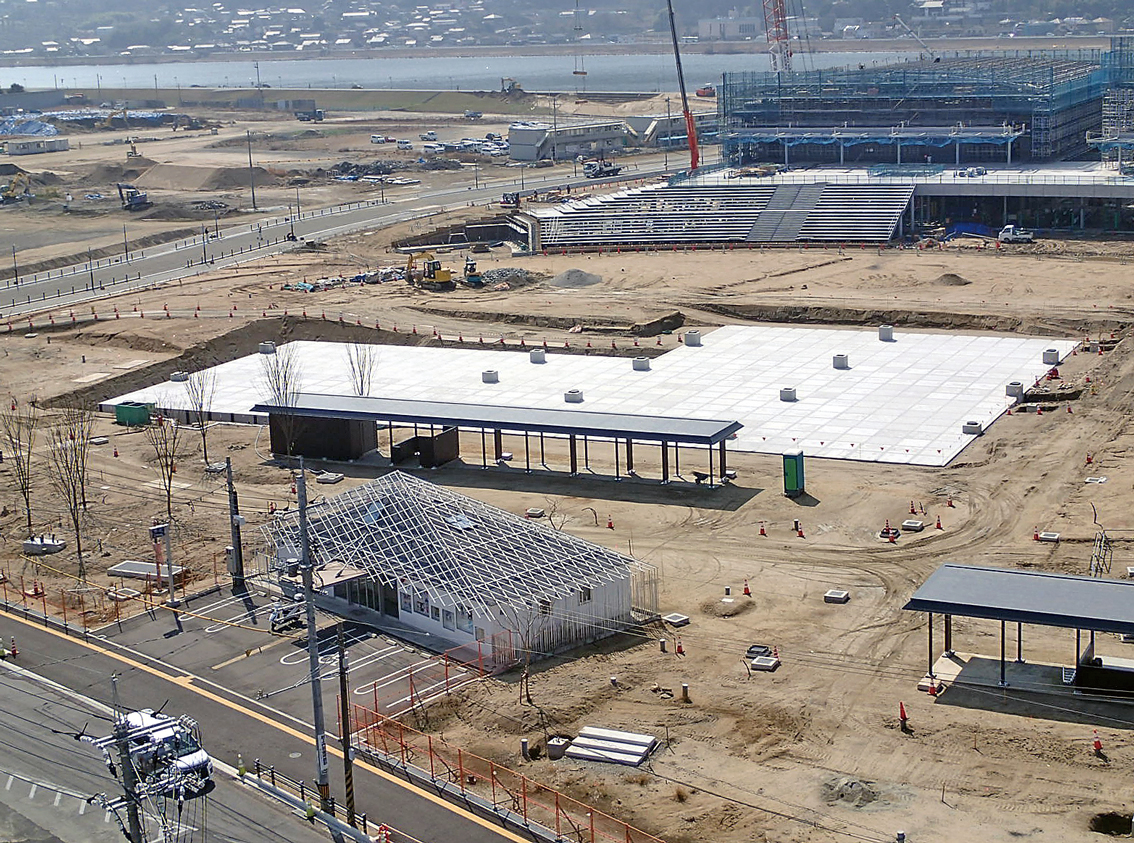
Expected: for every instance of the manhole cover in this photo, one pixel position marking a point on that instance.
(294, 754)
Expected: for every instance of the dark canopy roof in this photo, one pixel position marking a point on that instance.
(532, 420)
(1032, 597)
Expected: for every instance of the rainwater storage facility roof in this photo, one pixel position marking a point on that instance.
(1032, 597)
(902, 402)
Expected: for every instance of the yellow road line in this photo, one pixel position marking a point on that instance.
(188, 683)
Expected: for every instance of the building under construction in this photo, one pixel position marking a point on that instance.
(1051, 103)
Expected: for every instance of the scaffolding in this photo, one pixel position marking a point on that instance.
(461, 562)
(1059, 99)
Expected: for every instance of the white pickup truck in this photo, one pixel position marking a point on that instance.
(1014, 234)
(428, 136)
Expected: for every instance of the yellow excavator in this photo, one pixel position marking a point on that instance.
(15, 190)
(108, 121)
(433, 277)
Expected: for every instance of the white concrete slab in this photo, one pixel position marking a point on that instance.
(899, 402)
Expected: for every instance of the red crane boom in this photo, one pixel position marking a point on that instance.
(690, 124)
(779, 39)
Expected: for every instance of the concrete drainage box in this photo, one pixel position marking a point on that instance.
(675, 619)
(836, 595)
(913, 525)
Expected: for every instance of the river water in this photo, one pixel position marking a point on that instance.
(536, 73)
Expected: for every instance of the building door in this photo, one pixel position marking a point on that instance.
(389, 600)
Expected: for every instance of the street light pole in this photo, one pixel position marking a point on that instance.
(298, 210)
(251, 174)
(125, 243)
(15, 267)
(322, 781)
(665, 144)
(204, 240)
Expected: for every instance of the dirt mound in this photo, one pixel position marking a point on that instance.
(849, 792)
(574, 278)
(183, 177)
(721, 609)
(950, 279)
(116, 172)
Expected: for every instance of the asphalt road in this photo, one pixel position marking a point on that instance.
(216, 247)
(46, 778)
(233, 725)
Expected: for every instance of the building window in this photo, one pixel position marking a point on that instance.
(435, 613)
(464, 619)
(407, 601)
(584, 595)
(545, 607)
(448, 620)
(421, 603)
(747, 28)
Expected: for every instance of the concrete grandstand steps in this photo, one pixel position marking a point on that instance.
(785, 213)
(767, 213)
(857, 212)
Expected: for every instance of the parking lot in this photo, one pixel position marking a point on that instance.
(226, 639)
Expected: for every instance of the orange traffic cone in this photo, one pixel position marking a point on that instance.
(763, 532)
(609, 523)
(680, 648)
(800, 532)
(747, 590)
(902, 714)
(1097, 744)
(116, 452)
(939, 527)
(932, 687)
(913, 509)
(1035, 534)
(1039, 410)
(949, 503)
(16, 650)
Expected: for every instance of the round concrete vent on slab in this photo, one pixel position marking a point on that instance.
(573, 396)
(972, 427)
(840, 361)
(886, 333)
(267, 348)
(693, 338)
(787, 393)
(490, 376)
(1014, 390)
(538, 355)
(1051, 356)
(641, 364)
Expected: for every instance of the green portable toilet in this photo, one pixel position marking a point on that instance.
(132, 414)
(793, 473)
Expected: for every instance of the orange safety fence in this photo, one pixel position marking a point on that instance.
(500, 787)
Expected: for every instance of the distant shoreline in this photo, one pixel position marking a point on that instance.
(899, 45)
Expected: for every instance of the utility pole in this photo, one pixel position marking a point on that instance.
(665, 144)
(251, 176)
(126, 764)
(125, 243)
(298, 210)
(204, 240)
(90, 265)
(15, 267)
(306, 570)
(344, 730)
(236, 561)
(554, 126)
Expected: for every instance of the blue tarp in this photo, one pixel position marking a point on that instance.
(26, 126)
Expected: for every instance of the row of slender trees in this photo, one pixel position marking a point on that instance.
(64, 469)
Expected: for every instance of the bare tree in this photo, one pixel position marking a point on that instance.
(363, 358)
(164, 437)
(19, 427)
(528, 622)
(201, 388)
(281, 378)
(70, 441)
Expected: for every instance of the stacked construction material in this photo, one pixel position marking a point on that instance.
(612, 746)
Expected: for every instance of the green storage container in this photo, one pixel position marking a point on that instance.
(132, 413)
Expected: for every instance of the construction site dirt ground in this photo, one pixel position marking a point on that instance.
(812, 752)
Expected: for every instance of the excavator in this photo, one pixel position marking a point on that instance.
(132, 198)
(15, 190)
(433, 277)
(108, 121)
